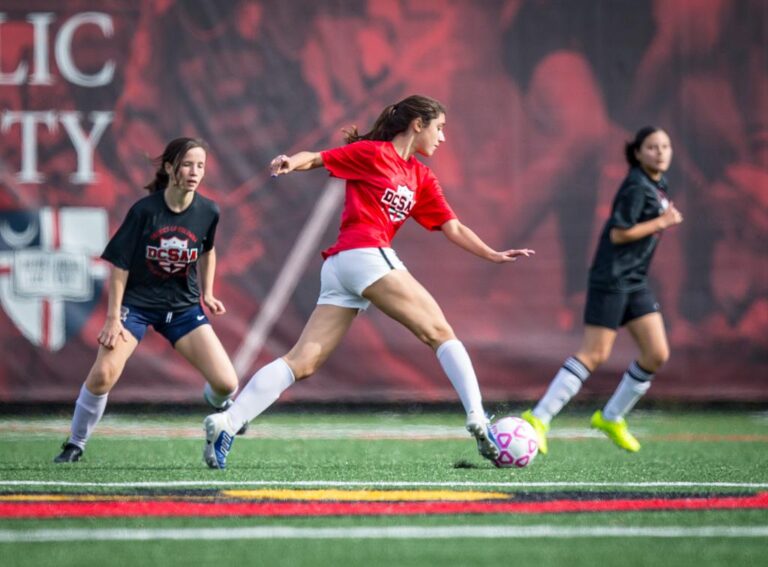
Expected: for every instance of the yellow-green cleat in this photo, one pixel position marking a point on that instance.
(616, 431)
(539, 427)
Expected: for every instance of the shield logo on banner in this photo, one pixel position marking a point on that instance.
(51, 275)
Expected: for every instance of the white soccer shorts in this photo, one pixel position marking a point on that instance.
(347, 274)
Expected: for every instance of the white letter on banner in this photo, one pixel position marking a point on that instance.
(41, 68)
(29, 122)
(64, 50)
(20, 74)
(85, 145)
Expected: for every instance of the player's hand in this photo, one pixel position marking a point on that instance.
(280, 165)
(214, 305)
(510, 255)
(112, 331)
(670, 217)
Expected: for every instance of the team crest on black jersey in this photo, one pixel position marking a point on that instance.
(399, 203)
(172, 255)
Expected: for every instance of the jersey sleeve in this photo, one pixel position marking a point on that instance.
(353, 161)
(432, 210)
(121, 247)
(210, 236)
(628, 207)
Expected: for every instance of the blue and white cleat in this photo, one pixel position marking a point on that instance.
(219, 437)
(479, 426)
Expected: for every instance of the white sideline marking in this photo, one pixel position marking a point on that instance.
(288, 277)
(130, 429)
(382, 484)
(399, 532)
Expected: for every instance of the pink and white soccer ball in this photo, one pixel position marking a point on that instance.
(517, 441)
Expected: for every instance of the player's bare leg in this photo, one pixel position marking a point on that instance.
(92, 400)
(402, 297)
(321, 335)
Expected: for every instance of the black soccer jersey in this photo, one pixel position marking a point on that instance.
(160, 250)
(624, 267)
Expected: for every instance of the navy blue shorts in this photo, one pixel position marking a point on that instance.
(171, 324)
(612, 309)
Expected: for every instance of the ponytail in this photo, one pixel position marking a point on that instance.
(396, 118)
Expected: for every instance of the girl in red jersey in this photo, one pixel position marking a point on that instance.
(155, 281)
(385, 184)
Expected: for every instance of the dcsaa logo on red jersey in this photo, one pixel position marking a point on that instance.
(51, 274)
(399, 203)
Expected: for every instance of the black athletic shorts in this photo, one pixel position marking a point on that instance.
(614, 309)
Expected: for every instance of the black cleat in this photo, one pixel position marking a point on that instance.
(70, 454)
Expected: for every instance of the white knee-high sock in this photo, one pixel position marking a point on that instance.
(88, 411)
(261, 391)
(634, 384)
(566, 384)
(218, 401)
(457, 366)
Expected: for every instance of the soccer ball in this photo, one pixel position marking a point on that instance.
(517, 441)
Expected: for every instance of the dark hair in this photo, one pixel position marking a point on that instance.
(631, 147)
(173, 153)
(395, 118)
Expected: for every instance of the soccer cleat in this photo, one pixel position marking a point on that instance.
(225, 407)
(616, 431)
(70, 453)
(218, 440)
(479, 426)
(539, 427)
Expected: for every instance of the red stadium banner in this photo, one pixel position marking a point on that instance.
(541, 97)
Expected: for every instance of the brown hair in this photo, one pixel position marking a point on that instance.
(173, 153)
(631, 147)
(395, 118)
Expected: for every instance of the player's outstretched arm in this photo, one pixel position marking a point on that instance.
(465, 238)
(302, 161)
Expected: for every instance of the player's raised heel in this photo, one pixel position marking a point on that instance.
(70, 453)
(218, 440)
(616, 431)
(480, 428)
(539, 427)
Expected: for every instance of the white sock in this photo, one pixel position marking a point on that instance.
(261, 391)
(217, 400)
(566, 384)
(456, 364)
(88, 411)
(634, 384)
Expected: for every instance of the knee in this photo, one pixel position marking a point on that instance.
(436, 334)
(102, 377)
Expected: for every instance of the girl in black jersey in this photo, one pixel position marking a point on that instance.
(154, 281)
(618, 295)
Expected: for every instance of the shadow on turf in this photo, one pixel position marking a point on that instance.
(462, 464)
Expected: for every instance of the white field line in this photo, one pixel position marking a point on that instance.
(372, 431)
(383, 532)
(379, 484)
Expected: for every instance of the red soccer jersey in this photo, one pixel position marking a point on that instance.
(383, 190)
